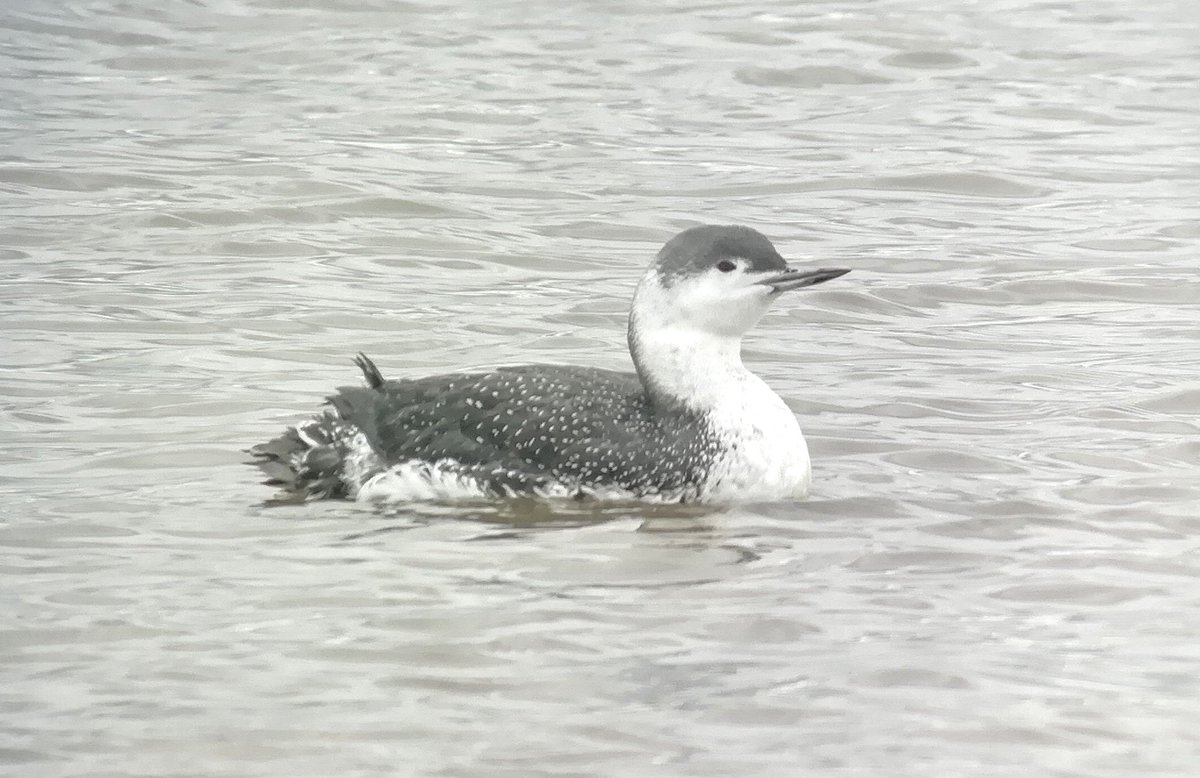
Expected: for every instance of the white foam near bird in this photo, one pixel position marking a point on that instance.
(691, 423)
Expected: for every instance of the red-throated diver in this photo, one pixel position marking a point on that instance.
(692, 424)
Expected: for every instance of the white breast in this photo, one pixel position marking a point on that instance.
(765, 456)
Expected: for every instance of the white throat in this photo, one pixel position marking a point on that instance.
(679, 363)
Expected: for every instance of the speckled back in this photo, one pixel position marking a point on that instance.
(519, 429)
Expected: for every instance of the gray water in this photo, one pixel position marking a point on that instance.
(207, 207)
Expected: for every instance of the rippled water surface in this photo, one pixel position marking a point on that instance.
(207, 207)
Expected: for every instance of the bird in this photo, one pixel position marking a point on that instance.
(690, 423)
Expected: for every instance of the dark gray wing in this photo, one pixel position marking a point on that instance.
(520, 428)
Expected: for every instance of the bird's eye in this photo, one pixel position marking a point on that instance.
(725, 266)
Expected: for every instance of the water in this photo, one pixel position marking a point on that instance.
(208, 207)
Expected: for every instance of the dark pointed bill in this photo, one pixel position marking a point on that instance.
(798, 279)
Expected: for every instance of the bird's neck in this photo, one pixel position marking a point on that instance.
(684, 366)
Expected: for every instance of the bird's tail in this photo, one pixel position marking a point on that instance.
(306, 460)
(324, 456)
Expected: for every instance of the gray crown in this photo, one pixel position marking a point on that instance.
(697, 249)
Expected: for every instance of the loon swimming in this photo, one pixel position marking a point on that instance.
(692, 424)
